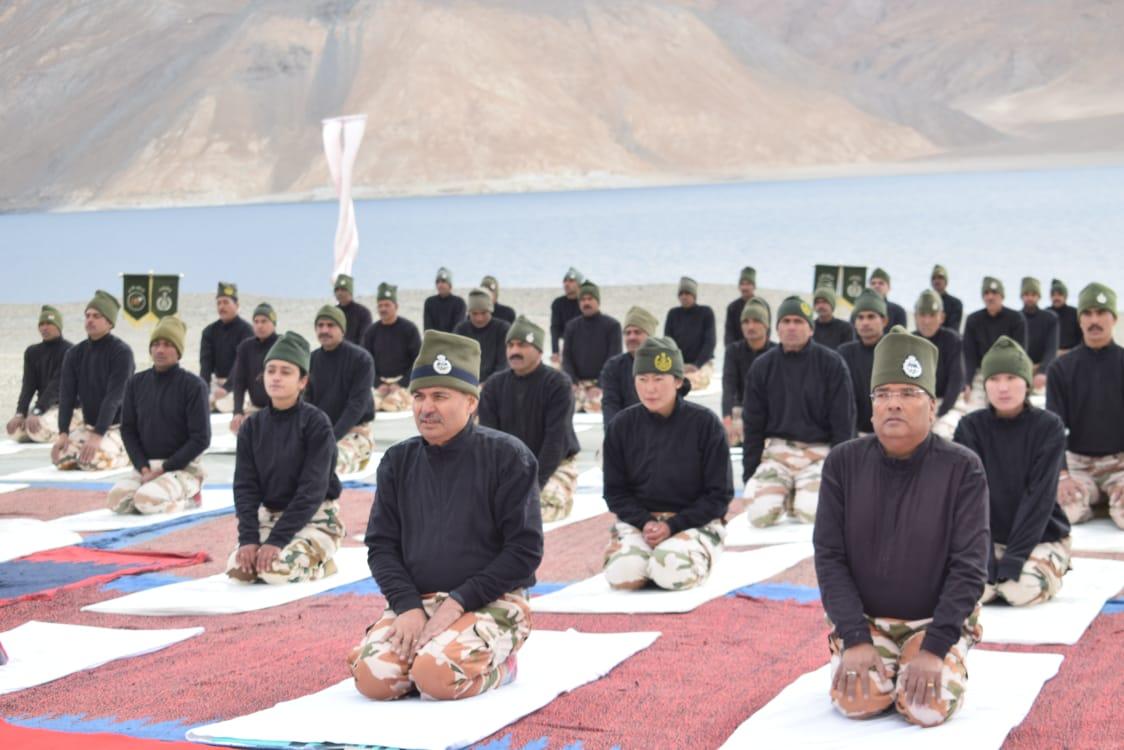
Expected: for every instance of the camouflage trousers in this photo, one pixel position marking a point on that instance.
(898, 643)
(735, 427)
(396, 398)
(1040, 579)
(475, 654)
(221, 404)
(170, 492)
(557, 495)
(46, 431)
(308, 557)
(700, 378)
(587, 397)
(354, 449)
(945, 426)
(682, 561)
(1099, 477)
(787, 482)
(110, 455)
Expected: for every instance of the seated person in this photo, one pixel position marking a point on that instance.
(42, 369)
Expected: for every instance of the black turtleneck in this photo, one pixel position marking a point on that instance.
(218, 347)
(1041, 337)
(394, 348)
(589, 342)
(42, 370)
(562, 310)
(739, 357)
(249, 367)
(983, 329)
(692, 328)
(834, 333)
(493, 344)
(358, 319)
(860, 363)
(94, 374)
(618, 386)
(1086, 389)
(339, 384)
(953, 311)
(443, 313)
(1069, 329)
(166, 415)
(950, 367)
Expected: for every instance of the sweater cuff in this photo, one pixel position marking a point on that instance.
(403, 603)
(676, 523)
(935, 644)
(466, 598)
(856, 637)
(1010, 568)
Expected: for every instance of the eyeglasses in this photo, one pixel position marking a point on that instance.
(908, 396)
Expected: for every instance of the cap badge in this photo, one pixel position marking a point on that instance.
(228, 290)
(804, 308)
(1101, 298)
(441, 365)
(530, 338)
(912, 367)
(662, 362)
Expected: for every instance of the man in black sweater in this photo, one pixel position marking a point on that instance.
(691, 326)
(928, 313)
(869, 319)
(489, 331)
(358, 316)
(94, 373)
(394, 343)
(1022, 449)
(340, 381)
(798, 404)
(901, 542)
(443, 311)
(747, 289)
(739, 357)
(453, 542)
(1041, 332)
(952, 306)
(895, 313)
(1086, 389)
(246, 379)
(166, 426)
(535, 403)
(1069, 330)
(831, 331)
(218, 347)
(500, 311)
(42, 369)
(667, 478)
(563, 309)
(588, 343)
(618, 386)
(286, 493)
(982, 329)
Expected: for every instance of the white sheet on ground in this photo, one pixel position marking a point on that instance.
(106, 520)
(741, 533)
(591, 418)
(367, 472)
(393, 416)
(1100, 535)
(733, 571)
(35, 656)
(24, 536)
(223, 441)
(49, 473)
(6, 487)
(587, 505)
(11, 447)
(340, 715)
(1064, 618)
(1002, 688)
(219, 595)
(714, 389)
(591, 478)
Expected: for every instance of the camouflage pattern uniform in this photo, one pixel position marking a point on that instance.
(396, 398)
(308, 557)
(48, 428)
(557, 495)
(111, 453)
(170, 492)
(700, 378)
(354, 449)
(476, 653)
(1098, 477)
(222, 404)
(898, 642)
(786, 482)
(1040, 579)
(681, 561)
(587, 397)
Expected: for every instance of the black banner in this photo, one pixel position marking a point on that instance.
(137, 296)
(854, 281)
(165, 295)
(827, 277)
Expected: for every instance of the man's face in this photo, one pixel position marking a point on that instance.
(522, 357)
(444, 288)
(657, 392)
(823, 310)
(388, 311)
(1097, 327)
(328, 334)
(928, 323)
(570, 287)
(480, 318)
(634, 338)
(283, 380)
(881, 286)
(96, 324)
(227, 308)
(794, 332)
(164, 355)
(263, 327)
(49, 331)
(869, 326)
(747, 288)
(939, 284)
(754, 332)
(1057, 299)
(589, 305)
(902, 413)
(441, 413)
(686, 299)
(343, 296)
(1030, 300)
(993, 301)
(1006, 392)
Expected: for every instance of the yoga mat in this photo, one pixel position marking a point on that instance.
(220, 595)
(741, 533)
(24, 536)
(1002, 688)
(1064, 618)
(732, 571)
(586, 506)
(591, 479)
(49, 473)
(104, 519)
(40, 652)
(591, 419)
(13, 487)
(551, 663)
(11, 447)
(714, 389)
(1099, 535)
(393, 416)
(367, 472)
(34, 738)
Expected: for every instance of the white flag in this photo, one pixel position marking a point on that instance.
(342, 136)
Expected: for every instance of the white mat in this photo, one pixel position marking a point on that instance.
(223, 442)
(591, 479)
(367, 472)
(393, 416)
(714, 389)
(104, 519)
(1064, 618)
(733, 571)
(583, 418)
(13, 487)
(23, 536)
(340, 715)
(219, 595)
(10, 447)
(35, 657)
(741, 533)
(1002, 688)
(586, 506)
(49, 473)
(1101, 535)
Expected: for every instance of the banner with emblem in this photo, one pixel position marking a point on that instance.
(853, 282)
(150, 296)
(165, 295)
(827, 277)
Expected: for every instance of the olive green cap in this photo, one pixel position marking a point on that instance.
(588, 287)
(227, 289)
(574, 274)
(901, 357)
(170, 329)
(826, 295)
(794, 306)
(755, 309)
(290, 347)
(48, 314)
(447, 360)
(869, 301)
(106, 305)
(749, 273)
(444, 274)
(265, 309)
(345, 282)
(992, 284)
(1031, 285)
(1096, 297)
(1006, 356)
(929, 303)
(640, 318)
(332, 313)
(689, 285)
(939, 271)
(524, 329)
(658, 355)
(879, 273)
(491, 284)
(388, 291)
(1057, 286)
(480, 300)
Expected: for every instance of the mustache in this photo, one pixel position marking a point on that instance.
(515, 358)
(1096, 328)
(431, 419)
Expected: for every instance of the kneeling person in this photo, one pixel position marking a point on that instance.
(166, 426)
(453, 542)
(667, 478)
(286, 492)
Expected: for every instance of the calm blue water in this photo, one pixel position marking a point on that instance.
(1008, 224)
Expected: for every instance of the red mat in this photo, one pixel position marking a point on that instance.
(21, 738)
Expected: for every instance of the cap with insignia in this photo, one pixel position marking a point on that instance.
(229, 289)
(869, 301)
(388, 291)
(659, 355)
(992, 284)
(48, 314)
(939, 272)
(444, 274)
(524, 329)
(1096, 297)
(794, 306)
(929, 303)
(265, 309)
(447, 360)
(902, 358)
(638, 317)
(574, 275)
(345, 282)
(1006, 356)
(491, 284)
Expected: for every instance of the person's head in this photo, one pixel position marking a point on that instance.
(101, 314)
(444, 282)
(50, 323)
(387, 305)
(589, 299)
(226, 301)
(869, 316)
(1031, 292)
(480, 307)
(286, 369)
(445, 385)
(755, 323)
(939, 279)
(903, 386)
(1096, 314)
(524, 345)
(165, 343)
(880, 282)
(264, 321)
(657, 370)
(492, 285)
(688, 291)
(1058, 293)
(639, 324)
(344, 289)
(794, 324)
(571, 282)
(747, 282)
(823, 300)
(928, 313)
(1008, 373)
(330, 327)
(993, 295)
